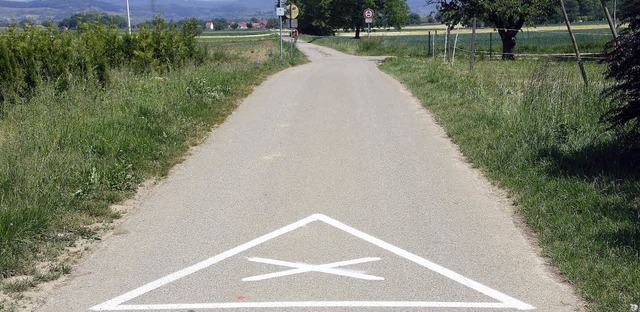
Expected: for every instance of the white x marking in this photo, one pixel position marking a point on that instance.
(329, 268)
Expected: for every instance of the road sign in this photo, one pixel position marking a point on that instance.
(291, 11)
(329, 266)
(292, 23)
(368, 20)
(368, 13)
(280, 11)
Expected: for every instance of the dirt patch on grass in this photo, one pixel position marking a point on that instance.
(28, 292)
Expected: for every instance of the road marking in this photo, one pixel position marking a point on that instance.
(329, 268)
(505, 301)
(315, 304)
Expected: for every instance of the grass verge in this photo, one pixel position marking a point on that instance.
(65, 156)
(533, 129)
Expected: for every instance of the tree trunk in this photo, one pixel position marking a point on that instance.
(508, 37)
(357, 32)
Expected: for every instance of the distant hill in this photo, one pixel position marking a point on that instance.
(142, 10)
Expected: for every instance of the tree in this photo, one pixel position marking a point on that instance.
(507, 16)
(319, 17)
(414, 19)
(396, 12)
(234, 25)
(273, 23)
(324, 17)
(219, 23)
(249, 25)
(624, 67)
(93, 17)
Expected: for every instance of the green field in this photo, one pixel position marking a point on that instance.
(234, 33)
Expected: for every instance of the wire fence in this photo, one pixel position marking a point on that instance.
(530, 42)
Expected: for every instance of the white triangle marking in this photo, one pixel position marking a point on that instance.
(505, 301)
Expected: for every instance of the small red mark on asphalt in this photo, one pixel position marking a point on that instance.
(241, 297)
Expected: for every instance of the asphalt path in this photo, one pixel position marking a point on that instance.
(329, 189)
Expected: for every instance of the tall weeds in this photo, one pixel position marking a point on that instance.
(30, 55)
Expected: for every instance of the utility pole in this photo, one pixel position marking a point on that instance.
(128, 17)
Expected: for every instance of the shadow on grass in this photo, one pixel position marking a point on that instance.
(613, 170)
(615, 160)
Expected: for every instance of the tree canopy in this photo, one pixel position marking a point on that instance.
(624, 68)
(273, 23)
(219, 23)
(507, 16)
(324, 17)
(91, 18)
(414, 19)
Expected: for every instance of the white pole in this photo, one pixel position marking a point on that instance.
(128, 17)
(446, 38)
(455, 45)
(280, 18)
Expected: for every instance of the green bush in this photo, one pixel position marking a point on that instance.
(30, 55)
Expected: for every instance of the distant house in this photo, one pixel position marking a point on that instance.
(263, 23)
(255, 25)
(208, 25)
(242, 25)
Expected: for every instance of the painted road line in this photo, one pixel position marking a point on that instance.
(505, 301)
(329, 268)
(316, 304)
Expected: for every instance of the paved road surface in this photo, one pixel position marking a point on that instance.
(329, 189)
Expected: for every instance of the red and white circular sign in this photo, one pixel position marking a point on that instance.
(368, 13)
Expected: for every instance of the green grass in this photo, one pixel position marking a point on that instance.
(232, 39)
(533, 129)
(65, 156)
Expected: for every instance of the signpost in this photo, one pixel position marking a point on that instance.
(291, 13)
(280, 14)
(368, 18)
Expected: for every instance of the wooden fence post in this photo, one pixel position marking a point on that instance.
(447, 49)
(575, 44)
(612, 26)
(490, 45)
(435, 38)
(429, 44)
(473, 43)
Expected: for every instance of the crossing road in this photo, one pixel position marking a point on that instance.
(329, 189)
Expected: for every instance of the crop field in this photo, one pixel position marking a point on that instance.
(553, 39)
(241, 34)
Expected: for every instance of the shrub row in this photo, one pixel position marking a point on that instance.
(32, 55)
